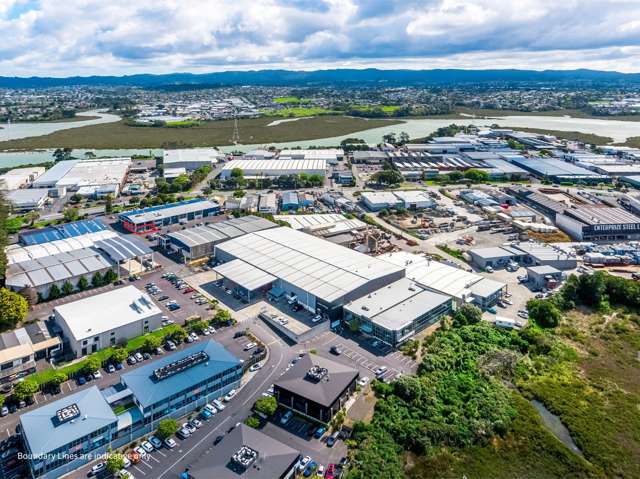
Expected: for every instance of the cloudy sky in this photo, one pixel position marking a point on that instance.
(96, 37)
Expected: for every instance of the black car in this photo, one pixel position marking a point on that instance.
(163, 298)
(239, 334)
(217, 440)
(257, 351)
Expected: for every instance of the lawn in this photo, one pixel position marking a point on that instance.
(212, 133)
(287, 100)
(300, 111)
(388, 109)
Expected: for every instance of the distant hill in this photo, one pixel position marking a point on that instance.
(369, 76)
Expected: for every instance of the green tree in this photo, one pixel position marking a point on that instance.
(91, 364)
(57, 378)
(167, 428)
(71, 214)
(252, 421)
(2, 399)
(54, 292)
(115, 462)
(13, 308)
(119, 355)
(83, 283)
(222, 316)
(67, 288)
(108, 205)
(387, 177)
(151, 343)
(198, 326)
(109, 277)
(179, 334)
(97, 280)
(238, 193)
(266, 405)
(455, 176)
(477, 176)
(467, 314)
(544, 313)
(24, 390)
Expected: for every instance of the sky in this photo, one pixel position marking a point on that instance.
(115, 37)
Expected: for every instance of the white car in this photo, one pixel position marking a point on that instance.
(97, 375)
(170, 443)
(217, 403)
(210, 408)
(230, 395)
(126, 462)
(255, 367)
(249, 346)
(147, 446)
(316, 318)
(303, 463)
(138, 357)
(363, 381)
(98, 468)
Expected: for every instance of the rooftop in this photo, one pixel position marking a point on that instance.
(44, 433)
(324, 269)
(180, 208)
(494, 252)
(148, 390)
(327, 389)
(109, 310)
(273, 458)
(67, 230)
(204, 155)
(223, 230)
(380, 197)
(271, 165)
(599, 214)
(396, 305)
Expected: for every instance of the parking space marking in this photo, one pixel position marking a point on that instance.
(161, 453)
(147, 464)
(151, 457)
(140, 470)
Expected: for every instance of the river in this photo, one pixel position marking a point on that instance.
(618, 130)
(556, 427)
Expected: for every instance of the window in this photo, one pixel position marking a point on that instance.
(96, 339)
(84, 343)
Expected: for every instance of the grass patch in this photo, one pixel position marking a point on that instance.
(287, 100)
(456, 253)
(120, 408)
(212, 133)
(568, 135)
(300, 112)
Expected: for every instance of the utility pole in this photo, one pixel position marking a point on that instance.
(235, 139)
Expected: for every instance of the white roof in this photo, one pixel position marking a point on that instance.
(326, 270)
(14, 179)
(263, 166)
(380, 197)
(200, 155)
(78, 173)
(332, 223)
(441, 277)
(103, 312)
(26, 197)
(244, 274)
(413, 196)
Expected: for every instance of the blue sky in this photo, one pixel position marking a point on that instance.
(87, 37)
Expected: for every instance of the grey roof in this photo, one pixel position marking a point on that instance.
(324, 392)
(120, 248)
(58, 267)
(504, 166)
(55, 173)
(326, 270)
(543, 269)
(223, 230)
(599, 214)
(396, 305)
(147, 391)
(275, 459)
(244, 274)
(486, 287)
(169, 210)
(44, 435)
(26, 196)
(492, 252)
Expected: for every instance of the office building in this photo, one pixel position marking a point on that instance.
(395, 313)
(115, 317)
(315, 387)
(63, 435)
(147, 220)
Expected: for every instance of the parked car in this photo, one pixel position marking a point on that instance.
(217, 440)
(249, 346)
(363, 381)
(82, 381)
(303, 463)
(138, 357)
(229, 395)
(195, 423)
(320, 471)
(170, 345)
(210, 408)
(97, 469)
(331, 440)
(319, 432)
(97, 375)
(170, 443)
(380, 370)
(255, 367)
(311, 467)
(155, 442)
(286, 417)
(110, 368)
(336, 350)
(218, 404)
(147, 446)
(189, 427)
(164, 297)
(331, 472)
(4, 411)
(119, 366)
(183, 433)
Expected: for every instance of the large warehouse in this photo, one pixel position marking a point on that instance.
(599, 223)
(191, 159)
(558, 170)
(395, 313)
(108, 173)
(274, 168)
(116, 316)
(195, 243)
(151, 219)
(319, 275)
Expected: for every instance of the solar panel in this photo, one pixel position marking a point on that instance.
(67, 413)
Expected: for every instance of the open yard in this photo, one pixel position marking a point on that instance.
(213, 133)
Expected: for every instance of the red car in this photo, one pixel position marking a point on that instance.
(331, 471)
(188, 290)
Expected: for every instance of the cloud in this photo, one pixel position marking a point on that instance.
(50, 37)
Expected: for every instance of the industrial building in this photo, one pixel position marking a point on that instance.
(62, 435)
(463, 286)
(558, 170)
(395, 313)
(147, 220)
(379, 200)
(190, 159)
(274, 168)
(96, 175)
(497, 257)
(116, 316)
(319, 275)
(325, 225)
(20, 177)
(543, 277)
(315, 387)
(27, 199)
(22, 347)
(599, 223)
(330, 155)
(414, 199)
(58, 232)
(369, 157)
(268, 203)
(499, 169)
(289, 201)
(248, 454)
(539, 254)
(192, 244)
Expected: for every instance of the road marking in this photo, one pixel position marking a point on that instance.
(161, 453)
(147, 464)
(151, 457)
(140, 470)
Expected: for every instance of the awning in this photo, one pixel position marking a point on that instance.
(245, 275)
